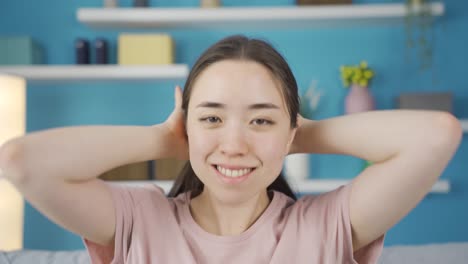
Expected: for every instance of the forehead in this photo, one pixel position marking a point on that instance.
(231, 81)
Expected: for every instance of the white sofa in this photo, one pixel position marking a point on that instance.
(447, 253)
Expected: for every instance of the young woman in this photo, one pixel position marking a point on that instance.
(235, 121)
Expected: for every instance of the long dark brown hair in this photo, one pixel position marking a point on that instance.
(239, 47)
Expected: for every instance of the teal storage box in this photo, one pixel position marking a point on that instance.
(19, 50)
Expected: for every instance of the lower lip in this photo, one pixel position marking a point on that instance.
(232, 180)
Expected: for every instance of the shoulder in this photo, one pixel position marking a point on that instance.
(324, 205)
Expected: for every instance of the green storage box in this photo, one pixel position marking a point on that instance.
(19, 50)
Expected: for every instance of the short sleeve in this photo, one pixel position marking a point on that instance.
(331, 212)
(126, 199)
(369, 253)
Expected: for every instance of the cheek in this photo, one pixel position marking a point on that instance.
(271, 149)
(199, 143)
(199, 148)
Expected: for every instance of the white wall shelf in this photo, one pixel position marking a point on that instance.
(276, 16)
(74, 73)
(309, 186)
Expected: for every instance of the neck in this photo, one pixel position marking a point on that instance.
(220, 218)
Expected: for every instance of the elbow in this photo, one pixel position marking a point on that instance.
(11, 162)
(448, 131)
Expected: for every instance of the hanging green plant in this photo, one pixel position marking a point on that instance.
(419, 20)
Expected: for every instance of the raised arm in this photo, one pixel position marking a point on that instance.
(56, 170)
(409, 149)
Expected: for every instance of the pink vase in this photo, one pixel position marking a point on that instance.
(359, 99)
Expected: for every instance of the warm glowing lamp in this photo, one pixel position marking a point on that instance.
(12, 124)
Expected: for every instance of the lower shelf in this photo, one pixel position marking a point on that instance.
(464, 124)
(305, 187)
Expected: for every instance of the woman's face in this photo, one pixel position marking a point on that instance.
(238, 129)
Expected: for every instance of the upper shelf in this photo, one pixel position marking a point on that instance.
(74, 73)
(223, 17)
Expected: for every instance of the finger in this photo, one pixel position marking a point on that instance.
(299, 120)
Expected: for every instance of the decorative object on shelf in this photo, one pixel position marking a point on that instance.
(145, 49)
(440, 101)
(101, 48)
(140, 3)
(82, 55)
(357, 78)
(111, 3)
(309, 100)
(298, 166)
(210, 3)
(418, 25)
(20, 50)
(323, 2)
(359, 98)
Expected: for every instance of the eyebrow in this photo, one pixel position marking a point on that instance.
(251, 107)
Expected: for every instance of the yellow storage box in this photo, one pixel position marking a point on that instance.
(145, 49)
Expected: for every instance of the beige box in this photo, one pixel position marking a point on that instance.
(145, 49)
(129, 172)
(167, 169)
(440, 101)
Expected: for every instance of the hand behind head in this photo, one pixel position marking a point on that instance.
(175, 124)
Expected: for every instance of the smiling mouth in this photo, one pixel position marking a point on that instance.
(233, 173)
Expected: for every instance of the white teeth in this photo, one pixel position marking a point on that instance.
(232, 173)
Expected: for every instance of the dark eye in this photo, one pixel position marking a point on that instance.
(210, 119)
(261, 122)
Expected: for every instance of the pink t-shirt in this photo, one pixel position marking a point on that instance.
(151, 228)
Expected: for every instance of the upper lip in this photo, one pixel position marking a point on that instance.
(234, 167)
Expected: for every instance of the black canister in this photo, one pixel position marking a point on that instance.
(101, 48)
(82, 51)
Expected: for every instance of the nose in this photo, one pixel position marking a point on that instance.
(233, 142)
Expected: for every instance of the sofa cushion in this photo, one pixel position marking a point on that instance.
(44, 257)
(447, 253)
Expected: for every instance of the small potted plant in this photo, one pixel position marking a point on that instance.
(357, 78)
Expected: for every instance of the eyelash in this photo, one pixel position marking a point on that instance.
(266, 121)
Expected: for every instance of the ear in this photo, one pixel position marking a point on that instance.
(292, 135)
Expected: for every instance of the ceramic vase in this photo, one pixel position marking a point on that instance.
(359, 99)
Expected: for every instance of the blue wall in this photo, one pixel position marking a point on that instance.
(312, 54)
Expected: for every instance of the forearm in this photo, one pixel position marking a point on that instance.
(79, 153)
(375, 136)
